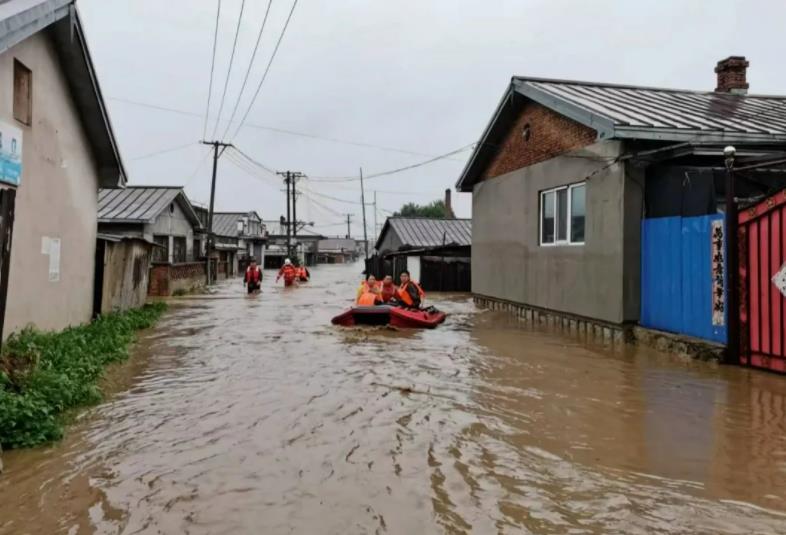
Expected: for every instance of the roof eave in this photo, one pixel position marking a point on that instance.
(16, 28)
(697, 136)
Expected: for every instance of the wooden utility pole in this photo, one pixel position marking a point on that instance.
(363, 202)
(376, 228)
(210, 237)
(349, 233)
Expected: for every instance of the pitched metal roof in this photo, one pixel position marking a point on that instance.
(624, 111)
(225, 223)
(141, 204)
(423, 232)
(19, 20)
(637, 112)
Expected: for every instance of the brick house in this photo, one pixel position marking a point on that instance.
(574, 183)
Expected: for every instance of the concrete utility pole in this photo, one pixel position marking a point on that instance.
(290, 179)
(349, 233)
(363, 202)
(210, 238)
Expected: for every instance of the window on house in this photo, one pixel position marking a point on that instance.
(178, 249)
(23, 93)
(563, 215)
(161, 254)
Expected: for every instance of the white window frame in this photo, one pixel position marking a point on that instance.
(569, 192)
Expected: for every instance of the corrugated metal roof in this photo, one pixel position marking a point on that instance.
(630, 108)
(423, 232)
(636, 112)
(225, 223)
(134, 205)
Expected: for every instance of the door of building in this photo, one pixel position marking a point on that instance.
(7, 204)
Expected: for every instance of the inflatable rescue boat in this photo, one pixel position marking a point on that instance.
(390, 315)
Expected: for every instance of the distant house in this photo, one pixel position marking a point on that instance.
(57, 148)
(164, 216)
(336, 250)
(243, 230)
(436, 252)
(304, 244)
(602, 202)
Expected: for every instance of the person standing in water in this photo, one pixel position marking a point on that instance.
(288, 271)
(253, 277)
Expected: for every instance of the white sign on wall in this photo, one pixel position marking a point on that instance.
(51, 247)
(10, 154)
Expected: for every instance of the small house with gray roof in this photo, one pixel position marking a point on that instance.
(435, 251)
(240, 236)
(159, 215)
(603, 202)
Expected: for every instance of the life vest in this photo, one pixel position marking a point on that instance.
(366, 288)
(367, 299)
(253, 275)
(388, 292)
(302, 273)
(288, 272)
(403, 294)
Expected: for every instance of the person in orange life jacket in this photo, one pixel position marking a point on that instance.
(303, 274)
(368, 292)
(410, 294)
(288, 271)
(388, 289)
(253, 277)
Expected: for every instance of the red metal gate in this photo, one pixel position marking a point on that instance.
(762, 247)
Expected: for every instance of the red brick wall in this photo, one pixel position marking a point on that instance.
(550, 134)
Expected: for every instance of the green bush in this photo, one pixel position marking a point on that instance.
(44, 374)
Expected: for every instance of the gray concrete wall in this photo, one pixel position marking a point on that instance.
(589, 280)
(57, 198)
(173, 223)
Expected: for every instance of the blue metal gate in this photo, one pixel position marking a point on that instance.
(677, 277)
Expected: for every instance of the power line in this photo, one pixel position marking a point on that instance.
(163, 151)
(267, 69)
(229, 70)
(397, 170)
(212, 70)
(248, 71)
(255, 162)
(274, 129)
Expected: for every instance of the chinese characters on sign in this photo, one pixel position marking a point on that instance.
(717, 261)
(10, 154)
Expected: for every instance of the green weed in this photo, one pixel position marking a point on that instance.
(44, 374)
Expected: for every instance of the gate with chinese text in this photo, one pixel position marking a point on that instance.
(762, 269)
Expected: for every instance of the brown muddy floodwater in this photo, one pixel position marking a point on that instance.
(254, 415)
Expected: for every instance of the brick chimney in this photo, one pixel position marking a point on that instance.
(448, 205)
(731, 75)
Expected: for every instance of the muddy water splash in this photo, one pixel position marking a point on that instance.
(254, 415)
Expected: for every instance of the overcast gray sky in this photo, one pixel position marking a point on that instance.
(421, 76)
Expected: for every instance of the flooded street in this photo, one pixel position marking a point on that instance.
(255, 415)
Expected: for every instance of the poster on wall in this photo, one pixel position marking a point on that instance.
(717, 260)
(10, 154)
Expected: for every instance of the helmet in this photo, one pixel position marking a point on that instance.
(287, 261)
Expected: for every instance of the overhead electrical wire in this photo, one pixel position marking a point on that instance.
(274, 129)
(267, 70)
(212, 70)
(163, 151)
(394, 171)
(229, 70)
(248, 71)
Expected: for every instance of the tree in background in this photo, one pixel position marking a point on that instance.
(434, 210)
